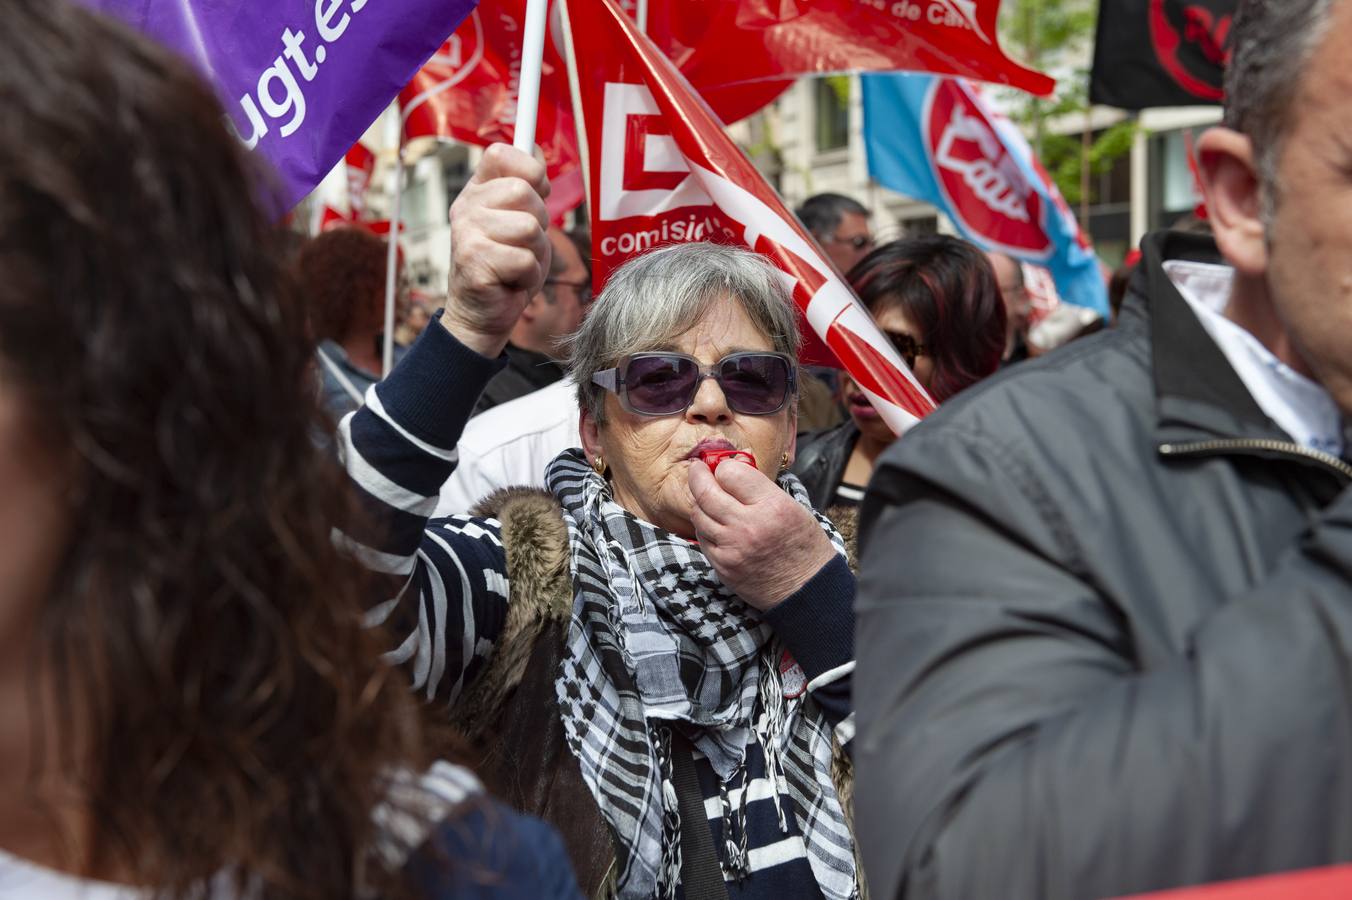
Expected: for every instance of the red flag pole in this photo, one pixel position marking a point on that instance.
(528, 90)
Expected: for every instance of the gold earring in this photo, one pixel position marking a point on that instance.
(784, 462)
(599, 464)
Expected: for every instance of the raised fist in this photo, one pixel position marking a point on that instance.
(499, 249)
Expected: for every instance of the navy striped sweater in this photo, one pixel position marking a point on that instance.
(399, 449)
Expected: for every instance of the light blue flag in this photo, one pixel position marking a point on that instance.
(935, 139)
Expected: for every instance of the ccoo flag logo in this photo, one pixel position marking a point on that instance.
(662, 170)
(934, 139)
(462, 52)
(468, 91)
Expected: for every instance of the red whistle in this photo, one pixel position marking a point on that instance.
(713, 457)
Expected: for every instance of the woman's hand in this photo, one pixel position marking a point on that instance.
(762, 543)
(499, 248)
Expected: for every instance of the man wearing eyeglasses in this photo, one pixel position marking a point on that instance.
(840, 225)
(533, 352)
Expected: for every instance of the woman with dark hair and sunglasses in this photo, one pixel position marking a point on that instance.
(936, 297)
(191, 703)
(654, 653)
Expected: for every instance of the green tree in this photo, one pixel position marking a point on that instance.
(1057, 36)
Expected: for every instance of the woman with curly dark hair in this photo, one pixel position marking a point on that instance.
(190, 704)
(342, 274)
(936, 297)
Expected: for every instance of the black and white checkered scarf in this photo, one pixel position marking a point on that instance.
(656, 638)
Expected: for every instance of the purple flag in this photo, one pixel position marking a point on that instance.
(301, 80)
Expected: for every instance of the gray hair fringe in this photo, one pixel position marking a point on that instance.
(653, 299)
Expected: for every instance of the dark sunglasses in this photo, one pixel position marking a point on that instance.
(908, 347)
(583, 289)
(664, 384)
(858, 242)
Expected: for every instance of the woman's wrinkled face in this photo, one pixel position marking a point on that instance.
(649, 457)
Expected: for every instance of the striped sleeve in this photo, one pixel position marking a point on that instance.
(816, 624)
(445, 596)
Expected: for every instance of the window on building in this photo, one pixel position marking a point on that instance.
(1173, 189)
(833, 112)
(1109, 223)
(413, 205)
(419, 273)
(455, 168)
(1179, 185)
(919, 226)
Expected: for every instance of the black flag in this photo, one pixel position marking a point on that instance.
(1161, 52)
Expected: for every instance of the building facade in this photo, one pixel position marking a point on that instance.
(808, 141)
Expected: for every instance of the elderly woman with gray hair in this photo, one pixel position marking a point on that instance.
(655, 653)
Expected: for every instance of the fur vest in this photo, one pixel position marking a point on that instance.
(510, 713)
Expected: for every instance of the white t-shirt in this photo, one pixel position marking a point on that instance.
(1300, 407)
(511, 444)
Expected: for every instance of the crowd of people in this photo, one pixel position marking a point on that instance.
(578, 600)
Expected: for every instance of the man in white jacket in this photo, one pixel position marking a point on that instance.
(510, 445)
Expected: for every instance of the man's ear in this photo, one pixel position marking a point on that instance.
(1234, 198)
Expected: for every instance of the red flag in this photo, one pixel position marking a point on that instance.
(662, 171)
(359, 164)
(723, 42)
(468, 92)
(379, 226)
(332, 218)
(1334, 883)
(681, 30)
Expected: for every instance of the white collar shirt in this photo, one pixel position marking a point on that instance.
(1300, 406)
(511, 444)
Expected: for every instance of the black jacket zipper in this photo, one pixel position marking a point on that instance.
(1280, 448)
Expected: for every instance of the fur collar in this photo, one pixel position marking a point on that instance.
(541, 589)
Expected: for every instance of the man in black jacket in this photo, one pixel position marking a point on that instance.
(1105, 614)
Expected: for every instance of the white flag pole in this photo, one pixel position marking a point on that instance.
(392, 258)
(528, 90)
(641, 15)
